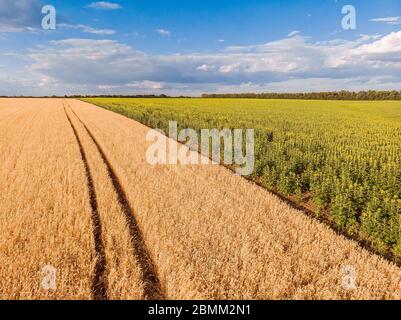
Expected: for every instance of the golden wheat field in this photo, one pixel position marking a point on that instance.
(78, 197)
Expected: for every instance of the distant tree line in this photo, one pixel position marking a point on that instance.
(336, 95)
(153, 96)
(150, 96)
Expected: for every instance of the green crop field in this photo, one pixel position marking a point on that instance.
(342, 157)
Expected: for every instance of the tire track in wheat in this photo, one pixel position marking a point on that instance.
(152, 290)
(99, 284)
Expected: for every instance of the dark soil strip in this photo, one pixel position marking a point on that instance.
(323, 218)
(149, 276)
(364, 243)
(99, 283)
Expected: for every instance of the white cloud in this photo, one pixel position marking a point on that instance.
(235, 67)
(145, 85)
(20, 16)
(106, 87)
(367, 37)
(104, 5)
(293, 33)
(164, 32)
(388, 20)
(87, 29)
(293, 57)
(388, 44)
(289, 64)
(205, 67)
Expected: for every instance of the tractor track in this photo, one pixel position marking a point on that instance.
(99, 283)
(152, 286)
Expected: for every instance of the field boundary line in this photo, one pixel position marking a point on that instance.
(364, 244)
(152, 288)
(99, 283)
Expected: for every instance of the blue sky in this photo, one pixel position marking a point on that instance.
(191, 46)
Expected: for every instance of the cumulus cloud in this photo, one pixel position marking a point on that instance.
(293, 33)
(388, 20)
(104, 5)
(368, 37)
(385, 51)
(205, 67)
(86, 29)
(19, 16)
(164, 32)
(290, 64)
(230, 68)
(99, 61)
(145, 85)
